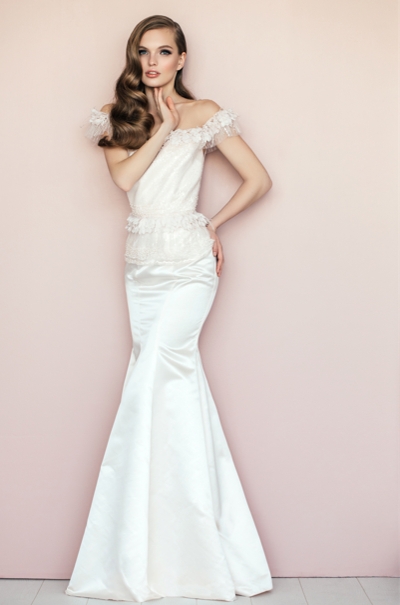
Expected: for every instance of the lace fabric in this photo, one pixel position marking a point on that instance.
(167, 222)
(224, 123)
(160, 247)
(98, 125)
(164, 225)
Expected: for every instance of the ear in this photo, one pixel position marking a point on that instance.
(181, 62)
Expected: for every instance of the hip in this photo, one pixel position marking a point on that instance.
(201, 268)
(170, 301)
(168, 247)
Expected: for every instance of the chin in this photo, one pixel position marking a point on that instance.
(153, 83)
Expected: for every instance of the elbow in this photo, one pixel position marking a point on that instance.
(265, 184)
(124, 184)
(121, 179)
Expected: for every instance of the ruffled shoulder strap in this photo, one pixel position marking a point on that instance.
(224, 123)
(98, 125)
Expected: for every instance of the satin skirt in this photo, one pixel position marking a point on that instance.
(169, 516)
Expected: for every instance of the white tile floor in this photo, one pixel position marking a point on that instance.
(286, 591)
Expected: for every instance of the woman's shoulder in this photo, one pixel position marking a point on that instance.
(99, 124)
(208, 107)
(214, 117)
(204, 110)
(218, 124)
(106, 108)
(196, 112)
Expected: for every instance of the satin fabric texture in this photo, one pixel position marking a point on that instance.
(169, 516)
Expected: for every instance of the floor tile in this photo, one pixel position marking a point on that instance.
(18, 592)
(239, 600)
(285, 591)
(52, 592)
(92, 601)
(382, 591)
(161, 601)
(177, 601)
(334, 591)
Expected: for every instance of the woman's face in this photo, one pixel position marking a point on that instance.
(159, 57)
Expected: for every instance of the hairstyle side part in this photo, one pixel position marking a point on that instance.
(130, 118)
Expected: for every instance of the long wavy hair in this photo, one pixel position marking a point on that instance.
(130, 118)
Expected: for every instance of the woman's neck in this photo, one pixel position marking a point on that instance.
(167, 91)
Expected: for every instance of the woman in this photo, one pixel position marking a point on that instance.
(169, 516)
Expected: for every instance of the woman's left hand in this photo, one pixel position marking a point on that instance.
(217, 249)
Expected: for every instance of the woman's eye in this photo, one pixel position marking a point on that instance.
(142, 51)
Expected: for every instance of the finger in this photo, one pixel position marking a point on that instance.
(162, 99)
(216, 250)
(220, 263)
(218, 268)
(220, 260)
(171, 104)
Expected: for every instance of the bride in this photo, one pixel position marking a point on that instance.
(169, 516)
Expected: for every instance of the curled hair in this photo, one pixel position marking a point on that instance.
(130, 118)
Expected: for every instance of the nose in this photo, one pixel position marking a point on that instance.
(152, 59)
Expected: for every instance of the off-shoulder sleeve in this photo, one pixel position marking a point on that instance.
(224, 123)
(98, 125)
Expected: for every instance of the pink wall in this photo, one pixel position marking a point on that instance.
(301, 345)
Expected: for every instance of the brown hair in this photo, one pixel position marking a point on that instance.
(130, 118)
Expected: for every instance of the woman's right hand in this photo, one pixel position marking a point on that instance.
(166, 109)
(127, 169)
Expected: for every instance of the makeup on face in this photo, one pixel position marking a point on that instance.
(159, 56)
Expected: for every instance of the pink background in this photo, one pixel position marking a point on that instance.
(300, 347)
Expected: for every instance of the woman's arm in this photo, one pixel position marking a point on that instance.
(125, 170)
(256, 180)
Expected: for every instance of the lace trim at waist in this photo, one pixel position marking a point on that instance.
(165, 222)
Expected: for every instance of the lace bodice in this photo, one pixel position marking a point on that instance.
(164, 225)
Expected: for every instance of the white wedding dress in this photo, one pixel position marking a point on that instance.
(169, 516)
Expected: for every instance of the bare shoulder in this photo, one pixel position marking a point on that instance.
(106, 108)
(206, 109)
(196, 113)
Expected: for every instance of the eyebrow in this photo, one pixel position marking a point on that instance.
(163, 46)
